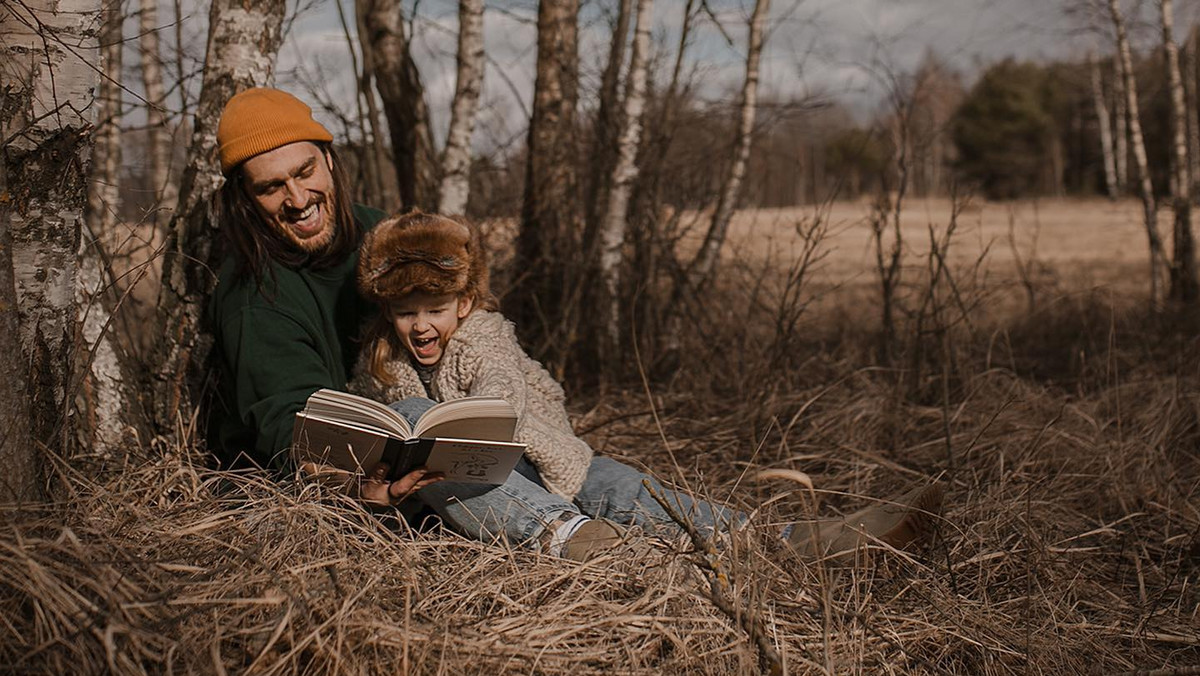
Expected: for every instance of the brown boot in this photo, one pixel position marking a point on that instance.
(900, 522)
(592, 538)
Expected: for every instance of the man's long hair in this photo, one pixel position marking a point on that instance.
(255, 244)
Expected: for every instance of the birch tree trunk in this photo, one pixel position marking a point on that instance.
(242, 43)
(47, 59)
(549, 232)
(1105, 124)
(456, 157)
(1121, 131)
(104, 188)
(403, 95)
(1146, 190)
(616, 215)
(106, 392)
(607, 128)
(1183, 261)
(704, 265)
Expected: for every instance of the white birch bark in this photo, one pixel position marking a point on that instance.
(104, 396)
(242, 44)
(1183, 258)
(106, 399)
(606, 131)
(706, 260)
(46, 86)
(1146, 190)
(1105, 124)
(616, 215)
(455, 187)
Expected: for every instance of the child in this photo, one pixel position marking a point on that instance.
(438, 337)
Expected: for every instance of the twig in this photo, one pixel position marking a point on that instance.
(749, 620)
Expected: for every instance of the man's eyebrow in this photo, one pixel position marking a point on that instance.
(305, 166)
(308, 164)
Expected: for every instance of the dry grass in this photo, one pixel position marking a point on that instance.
(1069, 545)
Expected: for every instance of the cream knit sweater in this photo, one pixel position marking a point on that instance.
(483, 358)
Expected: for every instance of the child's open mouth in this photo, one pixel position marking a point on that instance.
(425, 347)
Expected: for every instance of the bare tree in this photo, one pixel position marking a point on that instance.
(399, 85)
(1191, 107)
(158, 138)
(616, 215)
(242, 43)
(456, 157)
(17, 450)
(1120, 126)
(388, 187)
(1183, 262)
(606, 128)
(368, 159)
(1149, 208)
(1105, 124)
(702, 268)
(549, 215)
(106, 386)
(104, 188)
(47, 59)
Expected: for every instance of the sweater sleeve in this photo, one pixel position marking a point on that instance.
(498, 367)
(276, 365)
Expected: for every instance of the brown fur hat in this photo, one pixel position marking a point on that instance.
(424, 252)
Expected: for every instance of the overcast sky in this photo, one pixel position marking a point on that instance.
(833, 48)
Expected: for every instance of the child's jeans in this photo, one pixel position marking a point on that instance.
(519, 509)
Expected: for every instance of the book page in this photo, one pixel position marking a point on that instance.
(473, 461)
(354, 448)
(335, 405)
(488, 418)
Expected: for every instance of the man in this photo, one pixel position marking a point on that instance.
(285, 314)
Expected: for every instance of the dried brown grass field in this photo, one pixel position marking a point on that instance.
(1097, 239)
(1068, 435)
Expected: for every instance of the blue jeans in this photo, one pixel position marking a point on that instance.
(519, 509)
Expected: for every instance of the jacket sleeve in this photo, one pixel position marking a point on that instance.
(500, 368)
(276, 365)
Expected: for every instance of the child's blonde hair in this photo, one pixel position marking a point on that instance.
(418, 252)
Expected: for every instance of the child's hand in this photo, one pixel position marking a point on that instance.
(377, 491)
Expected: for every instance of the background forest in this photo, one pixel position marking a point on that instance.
(774, 286)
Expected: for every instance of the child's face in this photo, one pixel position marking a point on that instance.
(424, 322)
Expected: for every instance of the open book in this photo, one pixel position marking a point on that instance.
(469, 440)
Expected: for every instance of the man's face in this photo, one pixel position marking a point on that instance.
(292, 188)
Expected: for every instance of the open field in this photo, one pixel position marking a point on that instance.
(1068, 438)
(1080, 243)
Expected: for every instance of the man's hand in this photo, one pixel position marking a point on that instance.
(377, 491)
(373, 490)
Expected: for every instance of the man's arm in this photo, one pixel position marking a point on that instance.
(275, 365)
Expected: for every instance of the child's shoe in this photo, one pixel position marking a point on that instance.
(593, 537)
(900, 522)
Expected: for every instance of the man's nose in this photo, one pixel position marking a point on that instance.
(296, 194)
(422, 323)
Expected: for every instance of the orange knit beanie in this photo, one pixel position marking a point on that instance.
(258, 120)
